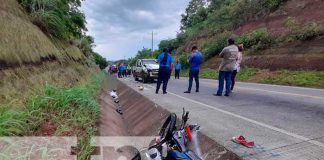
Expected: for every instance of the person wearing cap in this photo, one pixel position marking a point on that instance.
(237, 66)
(166, 65)
(195, 61)
(230, 57)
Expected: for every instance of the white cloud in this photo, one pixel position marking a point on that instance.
(122, 27)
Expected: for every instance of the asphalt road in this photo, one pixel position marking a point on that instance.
(285, 122)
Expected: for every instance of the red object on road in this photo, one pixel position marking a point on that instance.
(189, 134)
(241, 140)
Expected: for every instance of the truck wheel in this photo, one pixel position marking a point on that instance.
(136, 79)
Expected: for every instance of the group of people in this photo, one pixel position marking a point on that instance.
(228, 69)
(123, 70)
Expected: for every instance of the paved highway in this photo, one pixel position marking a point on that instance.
(285, 122)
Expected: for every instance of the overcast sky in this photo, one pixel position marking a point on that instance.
(122, 27)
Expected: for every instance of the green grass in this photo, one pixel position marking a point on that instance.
(246, 73)
(297, 78)
(282, 77)
(74, 109)
(209, 73)
(22, 41)
(243, 75)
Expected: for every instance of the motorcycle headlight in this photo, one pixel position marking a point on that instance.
(144, 69)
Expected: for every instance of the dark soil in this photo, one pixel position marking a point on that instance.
(48, 128)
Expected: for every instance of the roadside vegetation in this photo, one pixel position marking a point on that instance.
(281, 77)
(143, 54)
(297, 78)
(34, 31)
(210, 23)
(70, 111)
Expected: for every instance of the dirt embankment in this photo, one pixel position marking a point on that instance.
(303, 11)
(298, 55)
(17, 84)
(295, 56)
(142, 117)
(23, 43)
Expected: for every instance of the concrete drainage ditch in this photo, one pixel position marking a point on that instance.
(142, 117)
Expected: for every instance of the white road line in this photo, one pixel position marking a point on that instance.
(284, 93)
(317, 143)
(255, 122)
(278, 92)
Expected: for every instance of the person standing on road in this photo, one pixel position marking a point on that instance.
(124, 67)
(120, 72)
(194, 61)
(129, 70)
(237, 65)
(230, 56)
(177, 70)
(165, 60)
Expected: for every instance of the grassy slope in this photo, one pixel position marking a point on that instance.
(23, 42)
(69, 111)
(56, 98)
(291, 62)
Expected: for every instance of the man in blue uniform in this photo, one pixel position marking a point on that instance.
(177, 70)
(165, 60)
(194, 61)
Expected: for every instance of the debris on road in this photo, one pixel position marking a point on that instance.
(141, 88)
(118, 110)
(116, 100)
(113, 94)
(241, 140)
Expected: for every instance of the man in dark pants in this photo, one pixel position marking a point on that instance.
(230, 56)
(194, 61)
(165, 60)
(177, 70)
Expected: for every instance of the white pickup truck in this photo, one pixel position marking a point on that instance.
(146, 70)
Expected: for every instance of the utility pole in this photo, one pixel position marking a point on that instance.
(152, 49)
(152, 44)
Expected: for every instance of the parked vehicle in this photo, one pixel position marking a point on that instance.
(146, 70)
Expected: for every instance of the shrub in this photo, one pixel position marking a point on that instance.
(258, 39)
(61, 19)
(215, 46)
(184, 60)
(309, 31)
(101, 61)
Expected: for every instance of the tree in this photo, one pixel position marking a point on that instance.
(99, 60)
(86, 43)
(195, 13)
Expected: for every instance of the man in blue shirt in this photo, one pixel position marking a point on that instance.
(194, 61)
(124, 67)
(120, 71)
(166, 64)
(177, 70)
